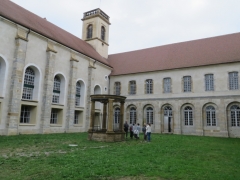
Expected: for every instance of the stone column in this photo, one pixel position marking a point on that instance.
(15, 91)
(71, 94)
(104, 116)
(121, 116)
(92, 119)
(48, 90)
(110, 116)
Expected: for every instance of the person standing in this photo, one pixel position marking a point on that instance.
(148, 131)
(126, 128)
(144, 132)
(138, 130)
(131, 131)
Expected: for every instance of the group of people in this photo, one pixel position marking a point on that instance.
(135, 129)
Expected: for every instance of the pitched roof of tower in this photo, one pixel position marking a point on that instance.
(23, 17)
(209, 51)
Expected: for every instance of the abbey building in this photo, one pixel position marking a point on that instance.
(47, 76)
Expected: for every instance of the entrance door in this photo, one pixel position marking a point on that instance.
(167, 119)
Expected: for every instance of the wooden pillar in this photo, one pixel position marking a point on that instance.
(110, 115)
(104, 116)
(121, 116)
(92, 118)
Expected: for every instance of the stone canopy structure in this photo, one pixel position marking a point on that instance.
(106, 132)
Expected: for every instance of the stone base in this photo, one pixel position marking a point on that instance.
(106, 136)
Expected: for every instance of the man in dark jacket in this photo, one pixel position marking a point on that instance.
(126, 128)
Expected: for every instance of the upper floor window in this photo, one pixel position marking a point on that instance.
(167, 85)
(149, 86)
(233, 80)
(209, 82)
(56, 90)
(78, 94)
(187, 84)
(133, 115)
(117, 88)
(149, 113)
(132, 87)
(211, 116)
(89, 31)
(103, 33)
(28, 84)
(235, 115)
(188, 116)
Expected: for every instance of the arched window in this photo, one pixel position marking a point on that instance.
(133, 115)
(78, 94)
(188, 116)
(103, 31)
(168, 111)
(149, 86)
(149, 115)
(117, 115)
(89, 31)
(28, 84)
(235, 115)
(211, 116)
(56, 90)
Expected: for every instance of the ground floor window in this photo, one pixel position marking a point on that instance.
(149, 113)
(54, 116)
(25, 114)
(211, 116)
(235, 115)
(76, 117)
(188, 116)
(133, 115)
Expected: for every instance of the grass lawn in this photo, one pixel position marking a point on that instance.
(166, 157)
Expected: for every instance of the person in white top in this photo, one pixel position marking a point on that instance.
(148, 132)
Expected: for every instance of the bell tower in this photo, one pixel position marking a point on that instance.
(96, 30)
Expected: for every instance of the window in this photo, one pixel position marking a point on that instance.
(132, 87)
(76, 117)
(78, 94)
(188, 116)
(233, 80)
(117, 115)
(168, 111)
(209, 82)
(54, 116)
(89, 31)
(187, 84)
(56, 90)
(167, 85)
(235, 115)
(149, 86)
(133, 115)
(149, 115)
(103, 33)
(28, 84)
(211, 116)
(117, 88)
(25, 114)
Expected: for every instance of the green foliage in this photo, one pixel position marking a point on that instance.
(166, 157)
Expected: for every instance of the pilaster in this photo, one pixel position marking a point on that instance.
(110, 116)
(15, 91)
(48, 89)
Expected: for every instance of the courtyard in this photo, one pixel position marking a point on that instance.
(72, 156)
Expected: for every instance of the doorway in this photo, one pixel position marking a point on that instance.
(167, 119)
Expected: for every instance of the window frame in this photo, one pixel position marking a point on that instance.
(148, 86)
(117, 88)
(233, 80)
(28, 85)
(210, 115)
(167, 83)
(132, 87)
(209, 82)
(188, 116)
(187, 84)
(103, 33)
(149, 115)
(89, 31)
(56, 90)
(132, 115)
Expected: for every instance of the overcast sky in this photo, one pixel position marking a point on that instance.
(139, 24)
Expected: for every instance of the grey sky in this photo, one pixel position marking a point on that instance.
(139, 24)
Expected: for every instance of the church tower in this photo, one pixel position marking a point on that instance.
(96, 30)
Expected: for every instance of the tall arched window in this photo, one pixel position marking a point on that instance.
(117, 115)
(211, 116)
(133, 115)
(78, 94)
(56, 90)
(235, 115)
(149, 86)
(28, 84)
(149, 114)
(188, 116)
(89, 31)
(103, 31)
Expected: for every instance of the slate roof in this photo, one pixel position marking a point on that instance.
(21, 16)
(209, 51)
